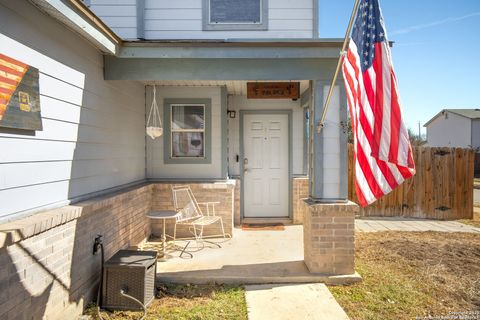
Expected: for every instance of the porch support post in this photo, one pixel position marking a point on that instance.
(329, 222)
(328, 152)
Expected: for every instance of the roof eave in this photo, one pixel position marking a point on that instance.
(78, 17)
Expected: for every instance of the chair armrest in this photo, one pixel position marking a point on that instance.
(207, 204)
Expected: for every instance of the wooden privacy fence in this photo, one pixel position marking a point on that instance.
(442, 188)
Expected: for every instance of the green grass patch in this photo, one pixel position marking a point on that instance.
(196, 302)
(384, 294)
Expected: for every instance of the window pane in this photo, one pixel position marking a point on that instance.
(235, 11)
(188, 117)
(187, 144)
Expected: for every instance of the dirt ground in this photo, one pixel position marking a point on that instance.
(414, 274)
(451, 262)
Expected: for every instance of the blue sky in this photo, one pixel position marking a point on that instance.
(435, 54)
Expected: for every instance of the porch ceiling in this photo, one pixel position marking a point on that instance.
(234, 87)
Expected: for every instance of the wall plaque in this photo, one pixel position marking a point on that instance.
(19, 95)
(273, 90)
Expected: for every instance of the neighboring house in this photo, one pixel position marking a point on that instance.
(454, 128)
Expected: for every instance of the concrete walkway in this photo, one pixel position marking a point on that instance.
(250, 257)
(291, 302)
(375, 224)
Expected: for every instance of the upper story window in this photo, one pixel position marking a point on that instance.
(235, 14)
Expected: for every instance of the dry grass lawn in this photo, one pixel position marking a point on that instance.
(414, 274)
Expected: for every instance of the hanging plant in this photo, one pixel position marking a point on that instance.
(154, 128)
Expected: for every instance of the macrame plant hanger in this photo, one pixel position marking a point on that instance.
(154, 128)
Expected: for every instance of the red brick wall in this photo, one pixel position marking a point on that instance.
(47, 269)
(299, 194)
(222, 192)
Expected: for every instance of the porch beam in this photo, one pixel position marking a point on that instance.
(228, 52)
(146, 69)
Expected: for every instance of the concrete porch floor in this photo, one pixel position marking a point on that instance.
(250, 257)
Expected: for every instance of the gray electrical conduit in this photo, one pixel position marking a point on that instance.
(122, 291)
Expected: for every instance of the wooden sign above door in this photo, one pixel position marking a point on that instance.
(273, 90)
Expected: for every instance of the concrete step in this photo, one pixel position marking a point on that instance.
(290, 272)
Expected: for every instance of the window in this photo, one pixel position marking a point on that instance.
(235, 14)
(187, 131)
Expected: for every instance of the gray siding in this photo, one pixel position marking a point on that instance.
(156, 166)
(119, 15)
(93, 130)
(166, 19)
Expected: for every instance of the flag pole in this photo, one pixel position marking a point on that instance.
(339, 64)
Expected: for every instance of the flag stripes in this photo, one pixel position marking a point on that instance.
(382, 151)
(11, 74)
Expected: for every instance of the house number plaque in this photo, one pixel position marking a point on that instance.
(273, 90)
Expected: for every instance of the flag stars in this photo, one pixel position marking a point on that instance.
(368, 30)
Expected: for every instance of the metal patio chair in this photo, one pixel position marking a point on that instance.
(192, 215)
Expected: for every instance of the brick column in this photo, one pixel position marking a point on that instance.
(329, 237)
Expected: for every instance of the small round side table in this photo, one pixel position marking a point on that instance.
(163, 215)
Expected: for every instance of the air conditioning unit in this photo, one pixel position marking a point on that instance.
(132, 273)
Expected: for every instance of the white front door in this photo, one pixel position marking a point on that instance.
(266, 163)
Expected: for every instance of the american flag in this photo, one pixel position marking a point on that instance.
(382, 150)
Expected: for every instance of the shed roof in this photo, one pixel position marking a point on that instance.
(467, 113)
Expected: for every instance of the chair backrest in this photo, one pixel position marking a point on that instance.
(184, 202)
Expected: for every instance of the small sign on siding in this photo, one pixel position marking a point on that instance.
(19, 95)
(273, 90)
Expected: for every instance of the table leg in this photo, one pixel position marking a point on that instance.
(164, 238)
